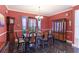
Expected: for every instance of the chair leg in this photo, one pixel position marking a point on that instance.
(43, 44)
(17, 47)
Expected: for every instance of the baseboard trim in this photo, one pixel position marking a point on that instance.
(75, 46)
(68, 41)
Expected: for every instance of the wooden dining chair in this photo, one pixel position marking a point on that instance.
(32, 43)
(39, 40)
(20, 43)
(45, 39)
(50, 38)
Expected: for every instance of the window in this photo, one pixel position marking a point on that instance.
(53, 26)
(32, 25)
(24, 25)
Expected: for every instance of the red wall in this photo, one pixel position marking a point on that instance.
(73, 28)
(17, 16)
(3, 11)
(46, 22)
(63, 15)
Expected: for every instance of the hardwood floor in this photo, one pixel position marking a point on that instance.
(58, 47)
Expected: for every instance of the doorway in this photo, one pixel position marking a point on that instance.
(10, 33)
(76, 38)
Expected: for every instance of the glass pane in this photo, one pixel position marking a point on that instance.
(57, 26)
(24, 26)
(32, 25)
(39, 25)
(52, 26)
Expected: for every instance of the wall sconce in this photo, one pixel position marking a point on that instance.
(70, 22)
(6, 11)
(66, 14)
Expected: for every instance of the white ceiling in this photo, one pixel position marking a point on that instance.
(45, 10)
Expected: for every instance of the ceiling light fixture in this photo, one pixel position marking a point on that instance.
(39, 17)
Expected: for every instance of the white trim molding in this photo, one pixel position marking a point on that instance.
(45, 29)
(3, 33)
(68, 41)
(69, 31)
(74, 45)
(27, 30)
(63, 11)
(17, 30)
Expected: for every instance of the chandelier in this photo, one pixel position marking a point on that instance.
(39, 17)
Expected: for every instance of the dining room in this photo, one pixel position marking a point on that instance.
(38, 29)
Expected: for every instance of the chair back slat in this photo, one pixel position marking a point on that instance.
(17, 37)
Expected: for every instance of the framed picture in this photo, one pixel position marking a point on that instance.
(11, 21)
(2, 18)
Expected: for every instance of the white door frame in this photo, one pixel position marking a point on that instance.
(76, 34)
